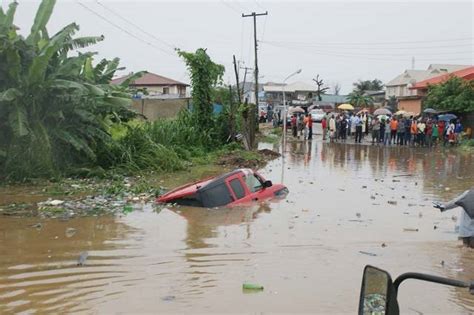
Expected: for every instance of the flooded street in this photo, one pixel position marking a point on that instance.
(349, 205)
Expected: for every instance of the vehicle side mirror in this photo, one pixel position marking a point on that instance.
(377, 294)
(267, 183)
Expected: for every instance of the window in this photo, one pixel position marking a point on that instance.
(253, 182)
(237, 188)
(166, 90)
(216, 196)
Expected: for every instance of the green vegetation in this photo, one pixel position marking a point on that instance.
(61, 116)
(357, 99)
(362, 86)
(55, 107)
(455, 94)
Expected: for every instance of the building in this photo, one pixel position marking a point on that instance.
(248, 91)
(298, 93)
(156, 85)
(330, 100)
(420, 89)
(400, 87)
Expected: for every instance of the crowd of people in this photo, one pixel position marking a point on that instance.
(382, 130)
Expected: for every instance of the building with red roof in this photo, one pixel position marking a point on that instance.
(155, 84)
(419, 90)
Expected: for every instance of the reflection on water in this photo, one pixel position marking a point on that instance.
(182, 259)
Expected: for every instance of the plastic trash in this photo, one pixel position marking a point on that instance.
(367, 253)
(252, 286)
(82, 258)
(410, 230)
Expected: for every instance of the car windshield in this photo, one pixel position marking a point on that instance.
(253, 182)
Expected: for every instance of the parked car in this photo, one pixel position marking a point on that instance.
(233, 188)
(317, 115)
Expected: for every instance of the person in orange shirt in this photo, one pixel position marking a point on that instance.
(413, 132)
(393, 130)
(305, 126)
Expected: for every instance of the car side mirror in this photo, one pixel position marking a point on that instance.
(377, 294)
(267, 183)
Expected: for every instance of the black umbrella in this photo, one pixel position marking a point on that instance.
(430, 111)
(465, 200)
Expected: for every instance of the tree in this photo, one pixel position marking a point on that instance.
(205, 75)
(392, 103)
(321, 90)
(337, 88)
(54, 107)
(367, 85)
(454, 94)
(359, 100)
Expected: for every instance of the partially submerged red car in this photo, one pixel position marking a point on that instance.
(236, 187)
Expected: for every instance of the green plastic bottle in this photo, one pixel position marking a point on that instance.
(252, 286)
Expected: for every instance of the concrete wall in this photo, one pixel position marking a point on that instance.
(153, 109)
(413, 106)
(468, 122)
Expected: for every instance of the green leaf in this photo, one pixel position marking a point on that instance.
(66, 84)
(10, 14)
(9, 95)
(41, 19)
(18, 121)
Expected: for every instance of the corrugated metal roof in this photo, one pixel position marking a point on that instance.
(149, 79)
(414, 76)
(466, 73)
(291, 88)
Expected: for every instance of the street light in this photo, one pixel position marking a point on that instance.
(284, 104)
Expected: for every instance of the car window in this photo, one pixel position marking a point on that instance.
(216, 196)
(253, 183)
(237, 188)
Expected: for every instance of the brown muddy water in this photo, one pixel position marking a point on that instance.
(305, 251)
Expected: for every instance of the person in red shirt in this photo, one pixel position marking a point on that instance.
(310, 127)
(324, 125)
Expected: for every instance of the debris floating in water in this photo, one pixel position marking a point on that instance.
(367, 253)
(410, 230)
(392, 202)
(70, 232)
(82, 258)
(252, 286)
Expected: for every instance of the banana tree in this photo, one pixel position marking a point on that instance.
(53, 106)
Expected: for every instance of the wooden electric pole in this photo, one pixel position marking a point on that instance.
(255, 111)
(239, 97)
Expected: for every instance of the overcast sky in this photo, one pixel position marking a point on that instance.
(343, 41)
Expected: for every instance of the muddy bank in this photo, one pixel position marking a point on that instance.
(70, 197)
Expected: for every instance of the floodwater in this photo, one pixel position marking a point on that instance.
(305, 251)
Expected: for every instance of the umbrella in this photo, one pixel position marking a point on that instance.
(346, 107)
(296, 109)
(430, 111)
(409, 114)
(383, 117)
(447, 117)
(465, 200)
(312, 107)
(364, 110)
(400, 112)
(382, 111)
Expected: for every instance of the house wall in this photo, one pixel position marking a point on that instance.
(172, 89)
(153, 109)
(413, 106)
(399, 91)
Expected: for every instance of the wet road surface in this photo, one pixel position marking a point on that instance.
(305, 251)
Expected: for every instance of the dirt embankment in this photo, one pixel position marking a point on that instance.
(253, 159)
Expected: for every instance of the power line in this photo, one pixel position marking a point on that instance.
(229, 6)
(358, 56)
(122, 29)
(381, 54)
(390, 43)
(136, 26)
(324, 45)
(258, 4)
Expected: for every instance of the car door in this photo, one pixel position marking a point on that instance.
(238, 189)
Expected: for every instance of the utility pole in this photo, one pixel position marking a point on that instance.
(254, 15)
(245, 77)
(239, 97)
